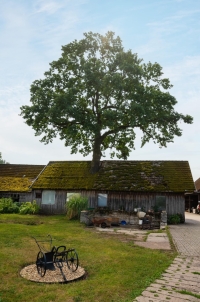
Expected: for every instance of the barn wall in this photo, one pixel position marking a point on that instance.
(57, 208)
(175, 203)
(18, 196)
(24, 197)
(129, 201)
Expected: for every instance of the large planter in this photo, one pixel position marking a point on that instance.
(116, 217)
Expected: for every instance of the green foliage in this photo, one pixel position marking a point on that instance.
(117, 270)
(156, 208)
(29, 208)
(75, 205)
(175, 219)
(102, 210)
(182, 218)
(97, 93)
(186, 292)
(8, 206)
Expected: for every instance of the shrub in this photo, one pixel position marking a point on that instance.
(8, 206)
(174, 219)
(182, 218)
(29, 208)
(75, 205)
(105, 211)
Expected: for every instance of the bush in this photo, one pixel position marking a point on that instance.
(182, 218)
(29, 208)
(8, 206)
(174, 219)
(75, 205)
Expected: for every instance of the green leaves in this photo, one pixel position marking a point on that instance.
(96, 94)
(8, 206)
(29, 208)
(75, 205)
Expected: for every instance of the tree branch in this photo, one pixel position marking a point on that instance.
(109, 107)
(66, 124)
(93, 106)
(114, 131)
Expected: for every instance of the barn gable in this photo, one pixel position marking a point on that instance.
(15, 180)
(197, 184)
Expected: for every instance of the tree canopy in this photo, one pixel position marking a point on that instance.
(95, 96)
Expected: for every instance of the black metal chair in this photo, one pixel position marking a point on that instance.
(147, 222)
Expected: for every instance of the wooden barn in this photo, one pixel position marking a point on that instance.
(118, 185)
(197, 185)
(15, 181)
(193, 199)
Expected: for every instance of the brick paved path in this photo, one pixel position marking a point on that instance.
(184, 272)
(187, 236)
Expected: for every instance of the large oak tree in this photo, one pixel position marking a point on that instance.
(97, 94)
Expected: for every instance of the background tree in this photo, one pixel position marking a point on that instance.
(2, 161)
(97, 94)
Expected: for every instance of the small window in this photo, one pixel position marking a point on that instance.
(48, 197)
(70, 195)
(38, 195)
(102, 200)
(161, 202)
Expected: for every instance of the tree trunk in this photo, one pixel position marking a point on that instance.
(95, 166)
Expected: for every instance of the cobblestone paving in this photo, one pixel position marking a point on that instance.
(186, 236)
(184, 273)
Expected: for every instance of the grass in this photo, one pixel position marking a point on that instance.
(116, 271)
(185, 292)
(171, 241)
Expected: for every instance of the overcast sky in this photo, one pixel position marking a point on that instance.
(32, 33)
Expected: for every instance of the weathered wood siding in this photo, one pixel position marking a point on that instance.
(24, 197)
(60, 203)
(18, 196)
(175, 203)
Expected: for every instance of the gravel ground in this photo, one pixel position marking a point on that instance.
(59, 274)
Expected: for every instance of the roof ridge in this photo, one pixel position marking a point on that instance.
(118, 160)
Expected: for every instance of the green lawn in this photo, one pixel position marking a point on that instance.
(116, 271)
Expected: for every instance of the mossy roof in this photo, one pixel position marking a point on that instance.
(138, 176)
(18, 178)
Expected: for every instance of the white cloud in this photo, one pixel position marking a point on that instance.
(174, 22)
(46, 6)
